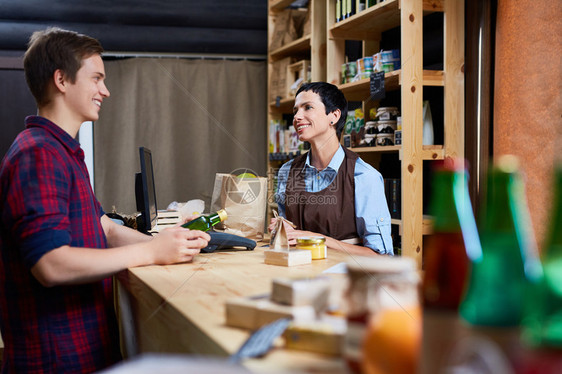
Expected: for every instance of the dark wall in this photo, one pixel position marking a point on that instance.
(172, 26)
(17, 103)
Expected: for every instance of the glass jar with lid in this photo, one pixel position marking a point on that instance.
(383, 314)
(315, 244)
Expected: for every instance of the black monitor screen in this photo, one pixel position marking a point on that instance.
(145, 192)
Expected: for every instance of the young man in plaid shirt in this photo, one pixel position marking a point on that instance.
(58, 250)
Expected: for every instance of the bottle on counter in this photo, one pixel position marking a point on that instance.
(205, 223)
(454, 237)
(499, 280)
(542, 325)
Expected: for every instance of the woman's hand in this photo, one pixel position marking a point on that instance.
(293, 234)
(272, 224)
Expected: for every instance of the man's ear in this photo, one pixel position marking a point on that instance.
(60, 81)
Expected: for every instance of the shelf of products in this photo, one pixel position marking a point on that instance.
(359, 90)
(376, 19)
(325, 47)
(368, 26)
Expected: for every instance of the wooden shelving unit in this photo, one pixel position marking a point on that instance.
(310, 47)
(408, 15)
(326, 45)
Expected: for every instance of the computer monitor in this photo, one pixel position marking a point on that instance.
(145, 192)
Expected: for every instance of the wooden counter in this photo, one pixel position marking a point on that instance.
(181, 308)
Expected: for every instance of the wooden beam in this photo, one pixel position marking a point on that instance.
(411, 19)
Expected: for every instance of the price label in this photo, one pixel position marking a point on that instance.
(377, 86)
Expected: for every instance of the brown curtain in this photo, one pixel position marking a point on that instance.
(198, 117)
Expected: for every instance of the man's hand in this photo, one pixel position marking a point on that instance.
(177, 244)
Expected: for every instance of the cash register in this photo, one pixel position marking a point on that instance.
(147, 220)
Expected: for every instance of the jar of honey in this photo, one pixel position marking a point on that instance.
(315, 244)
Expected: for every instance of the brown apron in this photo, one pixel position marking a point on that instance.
(330, 212)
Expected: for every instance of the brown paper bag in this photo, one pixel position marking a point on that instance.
(244, 200)
(279, 239)
(280, 29)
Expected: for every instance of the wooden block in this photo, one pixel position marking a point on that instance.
(324, 336)
(292, 257)
(252, 313)
(302, 291)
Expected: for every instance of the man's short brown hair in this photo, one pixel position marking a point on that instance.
(52, 49)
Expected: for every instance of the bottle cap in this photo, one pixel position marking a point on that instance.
(507, 163)
(222, 214)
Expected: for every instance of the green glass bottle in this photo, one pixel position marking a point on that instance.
(454, 237)
(498, 282)
(205, 223)
(542, 324)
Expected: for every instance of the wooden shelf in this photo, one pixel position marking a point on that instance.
(386, 148)
(368, 24)
(284, 156)
(429, 152)
(427, 225)
(300, 45)
(359, 91)
(278, 5)
(285, 106)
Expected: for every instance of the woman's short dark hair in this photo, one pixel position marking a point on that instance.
(331, 97)
(52, 49)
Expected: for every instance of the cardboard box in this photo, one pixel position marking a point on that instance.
(295, 72)
(324, 336)
(278, 78)
(302, 291)
(254, 312)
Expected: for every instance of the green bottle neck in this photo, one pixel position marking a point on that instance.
(442, 207)
(497, 215)
(214, 218)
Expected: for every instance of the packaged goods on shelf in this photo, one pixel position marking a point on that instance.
(293, 140)
(398, 137)
(364, 67)
(386, 127)
(297, 74)
(384, 139)
(386, 61)
(283, 139)
(349, 122)
(278, 79)
(387, 113)
(392, 190)
(289, 26)
(349, 71)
